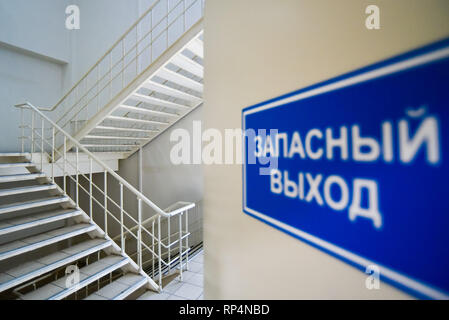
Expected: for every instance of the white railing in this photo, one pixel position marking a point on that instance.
(39, 134)
(147, 39)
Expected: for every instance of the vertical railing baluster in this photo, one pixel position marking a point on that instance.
(166, 29)
(137, 52)
(53, 137)
(98, 88)
(32, 133)
(153, 247)
(77, 177)
(22, 129)
(64, 165)
(139, 232)
(123, 64)
(90, 190)
(122, 239)
(110, 76)
(140, 170)
(151, 37)
(106, 202)
(76, 102)
(184, 27)
(169, 243)
(159, 251)
(180, 246)
(42, 144)
(187, 240)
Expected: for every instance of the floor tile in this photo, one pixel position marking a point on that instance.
(186, 275)
(189, 291)
(172, 286)
(196, 279)
(196, 267)
(198, 259)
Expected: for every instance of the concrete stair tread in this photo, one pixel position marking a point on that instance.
(157, 87)
(23, 154)
(120, 288)
(187, 64)
(23, 205)
(28, 189)
(32, 269)
(17, 247)
(36, 219)
(58, 289)
(16, 165)
(179, 79)
(21, 177)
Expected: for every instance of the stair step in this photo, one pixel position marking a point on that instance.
(120, 288)
(125, 129)
(157, 87)
(32, 204)
(147, 111)
(113, 137)
(58, 289)
(21, 177)
(196, 47)
(18, 247)
(34, 220)
(33, 269)
(179, 79)
(37, 188)
(128, 146)
(15, 154)
(158, 102)
(16, 165)
(187, 64)
(133, 120)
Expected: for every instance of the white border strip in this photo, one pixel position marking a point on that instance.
(383, 71)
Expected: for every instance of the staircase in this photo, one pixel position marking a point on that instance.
(169, 94)
(70, 226)
(146, 82)
(45, 233)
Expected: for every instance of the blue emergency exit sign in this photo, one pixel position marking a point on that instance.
(358, 166)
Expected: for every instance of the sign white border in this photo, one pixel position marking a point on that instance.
(340, 252)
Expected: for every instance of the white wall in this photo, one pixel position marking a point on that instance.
(34, 51)
(260, 49)
(41, 59)
(165, 183)
(36, 26)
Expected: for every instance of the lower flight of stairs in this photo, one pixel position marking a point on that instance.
(49, 247)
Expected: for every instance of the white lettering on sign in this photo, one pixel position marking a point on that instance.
(360, 197)
(350, 144)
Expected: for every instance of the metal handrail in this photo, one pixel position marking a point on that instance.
(184, 208)
(102, 164)
(138, 230)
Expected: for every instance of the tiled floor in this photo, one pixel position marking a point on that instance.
(191, 288)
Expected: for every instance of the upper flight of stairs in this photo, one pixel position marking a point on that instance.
(42, 232)
(160, 99)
